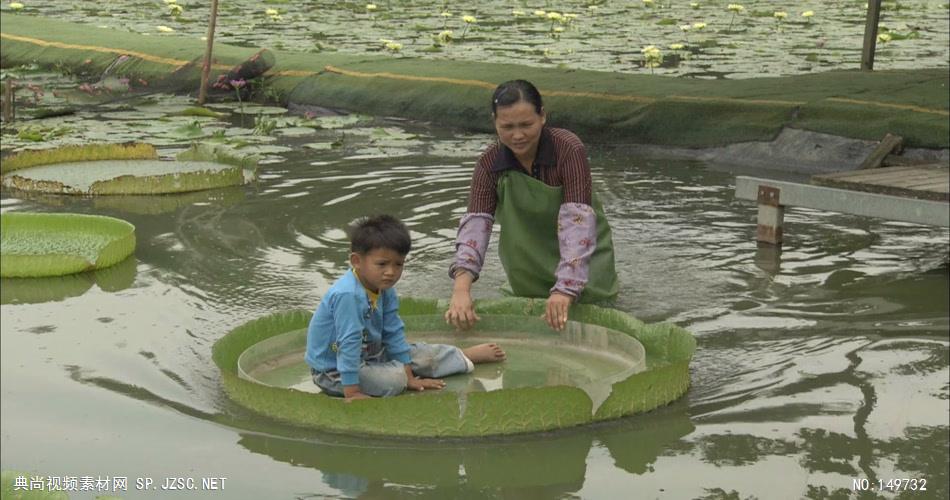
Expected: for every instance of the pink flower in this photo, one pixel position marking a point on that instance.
(238, 83)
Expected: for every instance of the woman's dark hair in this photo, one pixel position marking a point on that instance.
(379, 231)
(515, 91)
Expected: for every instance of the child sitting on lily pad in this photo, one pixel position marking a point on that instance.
(356, 343)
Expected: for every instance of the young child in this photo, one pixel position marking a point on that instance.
(356, 343)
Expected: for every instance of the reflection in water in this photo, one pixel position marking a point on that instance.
(546, 466)
(54, 288)
(833, 366)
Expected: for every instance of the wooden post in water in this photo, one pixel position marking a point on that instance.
(206, 67)
(870, 35)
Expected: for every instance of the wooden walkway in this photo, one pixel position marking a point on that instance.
(923, 182)
(918, 194)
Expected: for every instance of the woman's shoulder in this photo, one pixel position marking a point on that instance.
(490, 155)
(564, 137)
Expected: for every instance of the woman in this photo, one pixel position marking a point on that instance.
(555, 241)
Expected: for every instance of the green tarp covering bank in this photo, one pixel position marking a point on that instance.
(599, 106)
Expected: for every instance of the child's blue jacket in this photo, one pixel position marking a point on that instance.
(345, 329)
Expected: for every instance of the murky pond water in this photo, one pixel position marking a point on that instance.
(825, 365)
(704, 38)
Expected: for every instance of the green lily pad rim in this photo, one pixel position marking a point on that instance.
(449, 415)
(80, 152)
(120, 233)
(244, 169)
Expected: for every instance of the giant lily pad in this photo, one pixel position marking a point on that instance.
(37, 245)
(595, 370)
(201, 167)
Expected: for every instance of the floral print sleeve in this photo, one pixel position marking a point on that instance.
(472, 243)
(577, 239)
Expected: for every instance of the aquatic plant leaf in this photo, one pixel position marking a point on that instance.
(36, 244)
(195, 169)
(444, 413)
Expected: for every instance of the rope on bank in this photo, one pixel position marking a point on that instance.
(905, 107)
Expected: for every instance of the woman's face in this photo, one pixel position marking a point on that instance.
(519, 127)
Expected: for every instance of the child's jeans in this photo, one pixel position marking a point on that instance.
(381, 376)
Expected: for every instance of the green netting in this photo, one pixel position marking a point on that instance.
(36, 245)
(597, 105)
(668, 351)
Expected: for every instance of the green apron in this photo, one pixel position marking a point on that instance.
(527, 210)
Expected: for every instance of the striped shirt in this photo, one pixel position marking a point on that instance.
(561, 162)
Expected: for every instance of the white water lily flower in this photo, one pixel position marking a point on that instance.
(808, 13)
(271, 12)
(469, 19)
(694, 5)
(558, 29)
(648, 2)
(517, 13)
(884, 38)
(685, 27)
(16, 6)
(570, 17)
(555, 16)
(370, 7)
(699, 26)
(444, 37)
(393, 46)
(540, 13)
(780, 15)
(171, 1)
(164, 29)
(676, 46)
(735, 7)
(652, 57)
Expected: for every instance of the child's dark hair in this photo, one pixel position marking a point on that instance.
(514, 91)
(379, 231)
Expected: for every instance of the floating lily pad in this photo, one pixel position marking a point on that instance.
(36, 245)
(202, 167)
(595, 370)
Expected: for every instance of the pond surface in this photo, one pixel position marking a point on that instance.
(702, 39)
(822, 365)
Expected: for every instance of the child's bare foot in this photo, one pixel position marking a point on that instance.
(485, 353)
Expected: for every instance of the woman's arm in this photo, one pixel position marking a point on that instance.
(471, 243)
(577, 234)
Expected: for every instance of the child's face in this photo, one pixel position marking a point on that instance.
(379, 268)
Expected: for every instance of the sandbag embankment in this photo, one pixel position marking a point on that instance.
(600, 106)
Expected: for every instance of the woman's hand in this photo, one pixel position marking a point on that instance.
(461, 313)
(421, 384)
(555, 312)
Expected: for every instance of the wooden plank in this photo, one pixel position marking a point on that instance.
(934, 213)
(926, 183)
(884, 178)
(878, 172)
(889, 144)
(889, 190)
